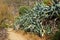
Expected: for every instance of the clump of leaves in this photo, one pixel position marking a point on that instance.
(32, 20)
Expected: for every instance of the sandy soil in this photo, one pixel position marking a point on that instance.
(12, 35)
(15, 36)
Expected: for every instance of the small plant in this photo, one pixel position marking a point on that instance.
(32, 20)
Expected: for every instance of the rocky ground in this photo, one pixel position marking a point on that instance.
(3, 34)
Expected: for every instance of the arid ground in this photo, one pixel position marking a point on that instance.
(10, 34)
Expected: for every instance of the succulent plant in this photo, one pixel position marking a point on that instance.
(32, 20)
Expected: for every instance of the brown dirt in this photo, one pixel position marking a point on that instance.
(13, 35)
(17, 36)
(10, 34)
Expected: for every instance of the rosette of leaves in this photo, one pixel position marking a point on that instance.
(31, 20)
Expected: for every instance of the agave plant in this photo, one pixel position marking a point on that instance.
(32, 19)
